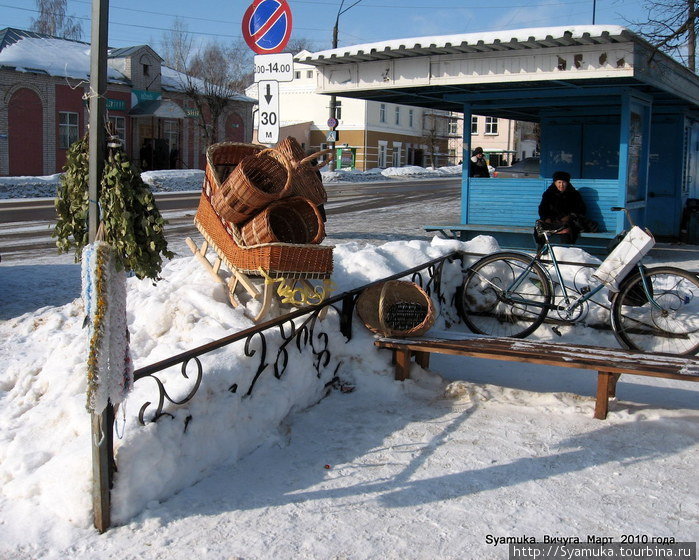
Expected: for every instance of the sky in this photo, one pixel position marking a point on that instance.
(134, 22)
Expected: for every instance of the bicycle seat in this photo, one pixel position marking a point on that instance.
(540, 227)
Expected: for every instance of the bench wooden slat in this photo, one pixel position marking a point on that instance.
(609, 363)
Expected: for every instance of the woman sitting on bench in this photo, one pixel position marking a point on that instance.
(561, 205)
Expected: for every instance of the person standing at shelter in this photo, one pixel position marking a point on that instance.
(478, 167)
(561, 205)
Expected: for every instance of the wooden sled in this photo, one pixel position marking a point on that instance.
(285, 270)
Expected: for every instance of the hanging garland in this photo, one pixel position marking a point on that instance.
(132, 223)
(109, 365)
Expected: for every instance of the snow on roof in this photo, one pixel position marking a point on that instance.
(514, 38)
(65, 58)
(52, 56)
(172, 80)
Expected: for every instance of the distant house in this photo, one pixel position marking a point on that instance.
(372, 134)
(44, 88)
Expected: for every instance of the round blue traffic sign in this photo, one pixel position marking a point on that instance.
(267, 26)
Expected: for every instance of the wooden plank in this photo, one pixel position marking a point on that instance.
(572, 356)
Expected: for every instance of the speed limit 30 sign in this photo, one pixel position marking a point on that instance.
(268, 125)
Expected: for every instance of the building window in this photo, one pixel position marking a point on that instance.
(297, 75)
(338, 110)
(474, 125)
(397, 115)
(453, 126)
(396, 156)
(491, 125)
(410, 118)
(309, 73)
(146, 70)
(67, 129)
(382, 113)
(119, 128)
(382, 155)
(171, 134)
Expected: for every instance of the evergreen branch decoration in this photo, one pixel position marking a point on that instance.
(132, 222)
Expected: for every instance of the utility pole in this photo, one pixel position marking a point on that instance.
(333, 98)
(103, 422)
(594, 9)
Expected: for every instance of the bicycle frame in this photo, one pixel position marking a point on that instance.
(570, 304)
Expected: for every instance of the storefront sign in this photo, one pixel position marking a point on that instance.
(116, 104)
(138, 95)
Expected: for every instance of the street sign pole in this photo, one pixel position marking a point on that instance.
(102, 423)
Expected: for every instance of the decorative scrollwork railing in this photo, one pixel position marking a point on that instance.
(307, 335)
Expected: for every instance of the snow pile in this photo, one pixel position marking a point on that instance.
(167, 180)
(30, 187)
(45, 461)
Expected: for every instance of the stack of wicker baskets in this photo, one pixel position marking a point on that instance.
(258, 209)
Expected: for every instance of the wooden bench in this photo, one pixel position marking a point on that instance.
(609, 363)
(518, 237)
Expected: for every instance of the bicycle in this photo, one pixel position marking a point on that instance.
(512, 293)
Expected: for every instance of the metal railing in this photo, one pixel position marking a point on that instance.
(309, 335)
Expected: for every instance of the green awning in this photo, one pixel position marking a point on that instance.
(161, 109)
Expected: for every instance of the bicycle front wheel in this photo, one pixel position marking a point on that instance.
(663, 317)
(505, 294)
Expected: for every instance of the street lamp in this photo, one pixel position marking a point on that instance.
(333, 98)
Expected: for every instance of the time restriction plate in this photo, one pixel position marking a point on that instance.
(279, 67)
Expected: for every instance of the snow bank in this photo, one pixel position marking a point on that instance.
(45, 457)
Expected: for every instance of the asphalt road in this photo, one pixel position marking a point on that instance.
(372, 212)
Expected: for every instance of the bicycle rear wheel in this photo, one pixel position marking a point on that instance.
(505, 294)
(668, 321)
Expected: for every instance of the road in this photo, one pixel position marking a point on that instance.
(372, 212)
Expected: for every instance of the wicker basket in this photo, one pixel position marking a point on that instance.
(225, 156)
(396, 308)
(289, 220)
(275, 259)
(306, 180)
(255, 182)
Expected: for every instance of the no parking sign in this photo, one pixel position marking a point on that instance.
(267, 26)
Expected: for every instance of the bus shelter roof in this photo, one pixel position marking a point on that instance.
(520, 74)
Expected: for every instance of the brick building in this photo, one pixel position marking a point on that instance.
(44, 88)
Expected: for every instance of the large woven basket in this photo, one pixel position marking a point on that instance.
(255, 182)
(274, 259)
(225, 156)
(396, 308)
(290, 220)
(306, 180)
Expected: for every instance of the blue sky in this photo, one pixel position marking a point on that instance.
(135, 22)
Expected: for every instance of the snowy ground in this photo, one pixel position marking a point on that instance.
(420, 469)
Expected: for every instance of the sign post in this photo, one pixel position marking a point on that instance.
(266, 30)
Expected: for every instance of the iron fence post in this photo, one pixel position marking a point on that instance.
(346, 316)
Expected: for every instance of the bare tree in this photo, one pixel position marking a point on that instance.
(671, 27)
(177, 46)
(53, 20)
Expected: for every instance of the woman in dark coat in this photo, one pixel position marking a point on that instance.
(561, 204)
(478, 167)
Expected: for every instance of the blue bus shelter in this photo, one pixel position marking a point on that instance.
(620, 117)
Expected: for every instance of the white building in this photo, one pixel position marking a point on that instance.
(373, 134)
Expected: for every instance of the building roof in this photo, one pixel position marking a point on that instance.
(514, 39)
(26, 51)
(519, 74)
